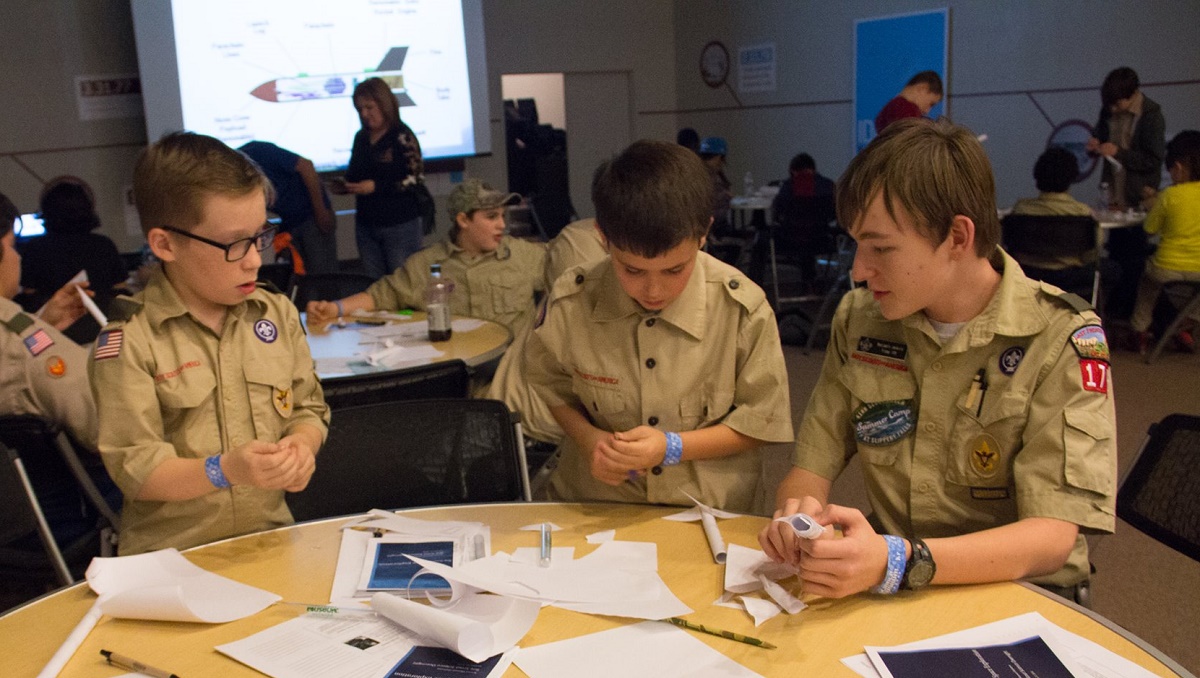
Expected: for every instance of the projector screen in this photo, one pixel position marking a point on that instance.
(284, 71)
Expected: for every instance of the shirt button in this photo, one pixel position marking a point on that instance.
(930, 427)
(650, 322)
(657, 470)
(733, 284)
(653, 421)
(924, 487)
(937, 367)
(650, 363)
(579, 279)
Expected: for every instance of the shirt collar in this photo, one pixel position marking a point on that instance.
(161, 302)
(502, 252)
(687, 312)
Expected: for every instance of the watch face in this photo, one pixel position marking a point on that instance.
(920, 575)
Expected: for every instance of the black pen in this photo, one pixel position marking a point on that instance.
(130, 664)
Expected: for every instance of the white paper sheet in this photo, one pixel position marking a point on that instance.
(743, 566)
(602, 536)
(465, 324)
(782, 597)
(92, 307)
(646, 650)
(760, 610)
(475, 626)
(395, 356)
(165, 586)
(537, 527)
(1092, 659)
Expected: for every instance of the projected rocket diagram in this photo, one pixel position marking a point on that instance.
(337, 85)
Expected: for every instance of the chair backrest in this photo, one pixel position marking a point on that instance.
(329, 286)
(1160, 494)
(1048, 236)
(444, 379)
(805, 220)
(415, 453)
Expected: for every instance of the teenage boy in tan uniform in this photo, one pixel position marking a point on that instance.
(979, 400)
(209, 406)
(495, 276)
(661, 364)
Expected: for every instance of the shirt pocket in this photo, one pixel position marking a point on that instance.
(188, 408)
(1090, 463)
(704, 408)
(510, 296)
(982, 447)
(606, 405)
(272, 400)
(883, 414)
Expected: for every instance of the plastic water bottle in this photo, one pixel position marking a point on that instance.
(437, 304)
(748, 184)
(1105, 198)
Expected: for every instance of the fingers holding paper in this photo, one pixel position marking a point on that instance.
(779, 540)
(839, 567)
(66, 306)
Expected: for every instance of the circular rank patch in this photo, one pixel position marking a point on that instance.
(1011, 359)
(56, 367)
(985, 455)
(266, 331)
(883, 423)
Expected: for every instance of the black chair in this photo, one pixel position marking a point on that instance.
(1160, 494)
(803, 232)
(42, 470)
(416, 453)
(1190, 307)
(445, 379)
(329, 286)
(1041, 236)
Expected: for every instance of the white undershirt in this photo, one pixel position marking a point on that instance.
(945, 331)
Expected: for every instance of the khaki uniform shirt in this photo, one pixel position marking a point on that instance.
(166, 386)
(1055, 204)
(496, 286)
(711, 357)
(44, 373)
(1041, 443)
(578, 243)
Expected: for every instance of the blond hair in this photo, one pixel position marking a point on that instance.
(174, 175)
(934, 170)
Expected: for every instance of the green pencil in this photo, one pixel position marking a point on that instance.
(749, 640)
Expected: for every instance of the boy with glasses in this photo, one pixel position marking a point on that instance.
(208, 404)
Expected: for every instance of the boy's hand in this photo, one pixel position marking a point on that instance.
(264, 465)
(321, 312)
(1093, 144)
(306, 461)
(1107, 148)
(638, 448)
(65, 307)
(835, 568)
(364, 187)
(596, 445)
(779, 540)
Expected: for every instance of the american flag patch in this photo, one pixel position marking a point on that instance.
(108, 344)
(37, 342)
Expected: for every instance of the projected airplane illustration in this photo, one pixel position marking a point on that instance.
(332, 86)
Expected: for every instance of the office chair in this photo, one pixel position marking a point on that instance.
(329, 286)
(801, 234)
(416, 453)
(1191, 307)
(1160, 494)
(1042, 237)
(41, 465)
(444, 379)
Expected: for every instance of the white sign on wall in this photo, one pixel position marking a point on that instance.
(102, 97)
(756, 68)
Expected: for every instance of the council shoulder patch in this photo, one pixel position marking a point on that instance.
(1090, 342)
(883, 423)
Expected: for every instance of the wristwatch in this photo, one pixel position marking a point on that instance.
(920, 569)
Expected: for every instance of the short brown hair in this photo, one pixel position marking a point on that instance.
(174, 175)
(377, 90)
(651, 197)
(930, 79)
(935, 170)
(1120, 83)
(8, 217)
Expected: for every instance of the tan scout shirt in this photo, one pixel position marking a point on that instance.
(938, 463)
(577, 244)
(167, 386)
(44, 373)
(496, 286)
(711, 357)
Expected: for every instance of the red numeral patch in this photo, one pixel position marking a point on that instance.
(1095, 375)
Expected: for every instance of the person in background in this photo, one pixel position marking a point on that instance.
(1056, 168)
(803, 209)
(712, 152)
(922, 92)
(1132, 131)
(44, 373)
(978, 400)
(1175, 216)
(301, 202)
(69, 246)
(385, 168)
(689, 139)
(495, 276)
(661, 364)
(208, 404)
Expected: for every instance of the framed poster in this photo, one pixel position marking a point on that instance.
(887, 52)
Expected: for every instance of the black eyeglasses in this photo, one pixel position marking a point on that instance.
(236, 250)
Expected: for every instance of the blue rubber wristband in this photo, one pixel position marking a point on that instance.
(216, 476)
(897, 561)
(674, 450)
